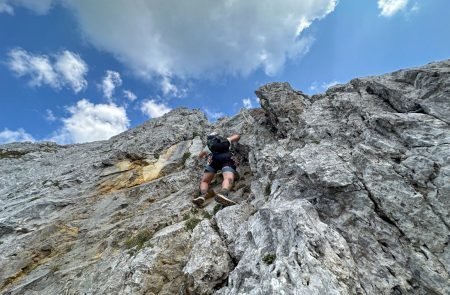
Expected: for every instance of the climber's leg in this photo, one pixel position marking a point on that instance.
(228, 178)
(206, 180)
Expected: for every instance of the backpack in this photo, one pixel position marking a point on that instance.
(218, 144)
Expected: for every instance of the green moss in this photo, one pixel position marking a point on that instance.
(138, 240)
(186, 156)
(192, 223)
(206, 215)
(195, 134)
(5, 154)
(186, 216)
(34, 199)
(1, 242)
(269, 258)
(54, 268)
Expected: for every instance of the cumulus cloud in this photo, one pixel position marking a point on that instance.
(199, 38)
(391, 7)
(64, 69)
(72, 69)
(19, 135)
(110, 82)
(247, 102)
(90, 122)
(153, 109)
(6, 8)
(38, 6)
(213, 114)
(49, 116)
(129, 95)
(168, 88)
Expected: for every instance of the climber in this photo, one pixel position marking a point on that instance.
(219, 158)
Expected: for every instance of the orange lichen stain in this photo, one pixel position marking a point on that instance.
(131, 176)
(38, 258)
(126, 173)
(62, 233)
(69, 230)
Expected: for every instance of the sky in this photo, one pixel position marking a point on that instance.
(75, 71)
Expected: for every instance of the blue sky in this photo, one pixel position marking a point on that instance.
(75, 71)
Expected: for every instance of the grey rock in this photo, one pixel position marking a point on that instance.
(345, 192)
(209, 263)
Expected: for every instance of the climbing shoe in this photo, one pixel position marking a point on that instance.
(222, 198)
(203, 197)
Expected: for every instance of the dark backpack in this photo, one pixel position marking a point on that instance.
(218, 144)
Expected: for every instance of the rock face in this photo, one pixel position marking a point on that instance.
(346, 192)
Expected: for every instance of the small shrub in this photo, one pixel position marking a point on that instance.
(269, 258)
(195, 134)
(34, 199)
(192, 223)
(138, 240)
(186, 216)
(1, 242)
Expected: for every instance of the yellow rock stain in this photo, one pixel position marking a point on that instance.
(132, 173)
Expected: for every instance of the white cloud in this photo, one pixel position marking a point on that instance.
(200, 38)
(72, 69)
(90, 122)
(50, 116)
(6, 8)
(391, 7)
(129, 95)
(38, 6)
(110, 82)
(153, 109)
(415, 7)
(212, 114)
(318, 87)
(168, 88)
(64, 69)
(37, 66)
(247, 103)
(19, 135)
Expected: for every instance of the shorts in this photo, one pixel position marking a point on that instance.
(221, 161)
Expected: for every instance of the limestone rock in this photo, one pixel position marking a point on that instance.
(209, 263)
(345, 192)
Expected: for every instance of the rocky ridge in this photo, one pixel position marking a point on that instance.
(345, 192)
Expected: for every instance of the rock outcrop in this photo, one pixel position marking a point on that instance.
(346, 192)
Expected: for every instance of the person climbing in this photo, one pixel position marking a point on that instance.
(219, 158)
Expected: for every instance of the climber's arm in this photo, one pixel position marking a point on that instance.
(234, 138)
(202, 154)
